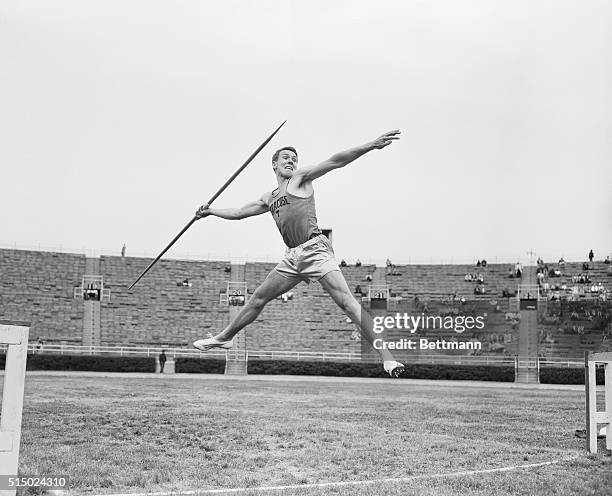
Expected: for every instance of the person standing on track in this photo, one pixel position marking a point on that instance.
(309, 255)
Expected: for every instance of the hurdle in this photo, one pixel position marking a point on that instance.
(594, 417)
(15, 335)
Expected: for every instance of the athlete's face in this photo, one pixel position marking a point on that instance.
(286, 164)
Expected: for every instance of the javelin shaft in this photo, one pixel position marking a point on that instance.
(213, 198)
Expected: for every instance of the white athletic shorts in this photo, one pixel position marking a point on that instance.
(309, 261)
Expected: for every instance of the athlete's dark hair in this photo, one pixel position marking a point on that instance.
(277, 152)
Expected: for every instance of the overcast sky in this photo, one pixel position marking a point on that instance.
(119, 118)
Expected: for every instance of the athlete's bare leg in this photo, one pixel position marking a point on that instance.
(335, 284)
(274, 286)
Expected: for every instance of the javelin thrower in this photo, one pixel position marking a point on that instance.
(309, 255)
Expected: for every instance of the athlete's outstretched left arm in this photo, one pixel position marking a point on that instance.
(341, 159)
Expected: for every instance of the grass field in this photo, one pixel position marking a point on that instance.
(149, 434)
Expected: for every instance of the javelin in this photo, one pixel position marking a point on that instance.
(214, 197)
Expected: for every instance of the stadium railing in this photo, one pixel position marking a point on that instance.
(150, 351)
(154, 351)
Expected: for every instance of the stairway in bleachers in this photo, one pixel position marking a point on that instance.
(91, 309)
(529, 275)
(527, 373)
(379, 277)
(235, 367)
(236, 358)
(91, 323)
(92, 266)
(528, 334)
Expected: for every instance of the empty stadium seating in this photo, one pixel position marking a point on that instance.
(38, 287)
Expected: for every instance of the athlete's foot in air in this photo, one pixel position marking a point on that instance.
(393, 368)
(211, 342)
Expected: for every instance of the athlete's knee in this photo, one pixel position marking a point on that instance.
(258, 300)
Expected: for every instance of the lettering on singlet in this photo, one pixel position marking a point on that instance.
(277, 204)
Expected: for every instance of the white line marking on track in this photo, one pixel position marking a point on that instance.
(237, 490)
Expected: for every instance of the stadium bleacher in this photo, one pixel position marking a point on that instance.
(159, 310)
(38, 287)
(180, 301)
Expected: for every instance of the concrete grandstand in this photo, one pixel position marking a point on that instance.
(73, 299)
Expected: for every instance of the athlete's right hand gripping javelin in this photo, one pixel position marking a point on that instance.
(202, 211)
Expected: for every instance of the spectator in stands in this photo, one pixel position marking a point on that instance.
(478, 263)
(228, 268)
(358, 289)
(287, 296)
(343, 263)
(39, 345)
(483, 263)
(468, 278)
(561, 262)
(591, 256)
(358, 263)
(510, 273)
(480, 279)
(390, 267)
(162, 361)
(607, 260)
(518, 269)
(540, 277)
(123, 250)
(540, 262)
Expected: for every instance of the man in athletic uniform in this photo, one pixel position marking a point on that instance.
(309, 256)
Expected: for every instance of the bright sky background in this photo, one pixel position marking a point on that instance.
(119, 118)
